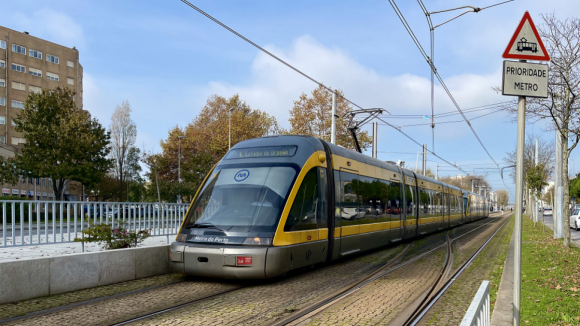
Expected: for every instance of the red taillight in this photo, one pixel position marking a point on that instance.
(243, 260)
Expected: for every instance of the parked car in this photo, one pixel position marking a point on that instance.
(547, 211)
(575, 220)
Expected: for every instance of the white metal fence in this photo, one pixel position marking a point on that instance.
(34, 222)
(478, 313)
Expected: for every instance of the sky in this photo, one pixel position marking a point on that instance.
(166, 59)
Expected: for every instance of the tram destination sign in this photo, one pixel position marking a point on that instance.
(525, 79)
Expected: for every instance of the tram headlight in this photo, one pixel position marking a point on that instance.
(181, 237)
(256, 241)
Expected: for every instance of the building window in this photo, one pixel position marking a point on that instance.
(2, 44)
(43, 182)
(18, 49)
(3, 139)
(19, 86)
(13, 123)
(70, 81)
(17, 104)
(35, 72)
(34, 89)
(35, 54)
(51, 58)
(18, 140)
(70, 64)
(50, 182)
(51, 76)
(37, 180)
(2, 120)
(2, 64)
(19, 68)
(2, 101)
(30, 180)
(2, 83)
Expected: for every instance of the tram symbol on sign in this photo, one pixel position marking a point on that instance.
(524, 45)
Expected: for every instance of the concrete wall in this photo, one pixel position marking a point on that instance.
(26, 279)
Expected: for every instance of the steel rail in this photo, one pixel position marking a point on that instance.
(431, 297)
(132, 320)
(320, 305)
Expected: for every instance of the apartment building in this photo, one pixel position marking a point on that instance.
(29, 64)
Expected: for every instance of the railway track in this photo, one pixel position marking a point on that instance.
(434, 293)
(302, 314)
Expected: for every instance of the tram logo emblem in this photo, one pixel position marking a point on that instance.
(241, 175)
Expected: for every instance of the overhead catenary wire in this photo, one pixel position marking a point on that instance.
(303, 74)
(434, 69)
(456, 121)
(267, 52)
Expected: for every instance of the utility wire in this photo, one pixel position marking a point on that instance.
(267, 52)
(303, 74)
(434, 69)
(416, 142)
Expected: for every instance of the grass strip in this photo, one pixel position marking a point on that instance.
(550, 292)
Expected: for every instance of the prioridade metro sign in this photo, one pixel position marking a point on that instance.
(522, 78)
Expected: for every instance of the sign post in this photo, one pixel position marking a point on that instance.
(523, 79)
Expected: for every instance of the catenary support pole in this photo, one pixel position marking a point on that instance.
(425, 160)
(519, 207)
(535, 195)
(437, 172)
(375, 140)
(333, 127)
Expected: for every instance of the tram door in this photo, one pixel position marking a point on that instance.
(411, 219)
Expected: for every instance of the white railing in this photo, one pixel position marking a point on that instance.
(478, 313)
(34, 222)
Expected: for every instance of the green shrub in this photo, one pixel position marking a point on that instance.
(113, 237)
(16, 209)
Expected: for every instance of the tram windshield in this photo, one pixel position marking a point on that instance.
(242, 199)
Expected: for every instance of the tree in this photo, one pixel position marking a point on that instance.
(536, 180)
(205, 142)
(62, 141)
(311, 115)
(562, 41)
(548, 196)
(502, 197)
(8, 171)
(123, 151)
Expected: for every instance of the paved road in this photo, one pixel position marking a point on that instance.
(549, 221)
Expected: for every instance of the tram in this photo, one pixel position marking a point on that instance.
(281, 203)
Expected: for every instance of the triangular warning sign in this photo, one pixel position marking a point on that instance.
(526, 43)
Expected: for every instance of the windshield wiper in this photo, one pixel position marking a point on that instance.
(204, 225)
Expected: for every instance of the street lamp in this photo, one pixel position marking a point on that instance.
(179, 138)
(230, 131)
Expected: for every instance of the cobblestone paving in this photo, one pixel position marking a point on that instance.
(451, 307)
(135, 305)
(21, 308)
(266, 303)
(380, 302)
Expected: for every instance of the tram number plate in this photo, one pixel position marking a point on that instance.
(243, 260)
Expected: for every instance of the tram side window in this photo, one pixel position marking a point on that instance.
(304, 212)
(424, 202)
(438, 203)
(338, 195)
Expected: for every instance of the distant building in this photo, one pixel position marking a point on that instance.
(29, 64)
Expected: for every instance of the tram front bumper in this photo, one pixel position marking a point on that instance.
(220, 262)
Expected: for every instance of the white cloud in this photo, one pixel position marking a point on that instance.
(52, 25)
(273, 87)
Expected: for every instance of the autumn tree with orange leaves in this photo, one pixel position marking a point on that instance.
(205, 142)
(311, 115)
